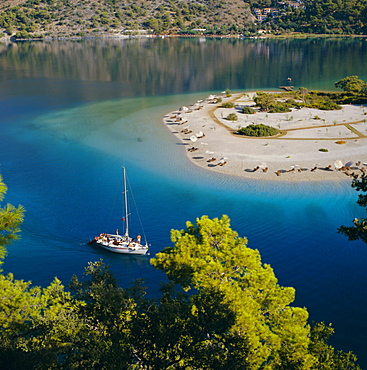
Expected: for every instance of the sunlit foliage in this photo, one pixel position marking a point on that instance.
(359, 229)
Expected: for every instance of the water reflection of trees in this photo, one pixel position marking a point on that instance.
(156, 66)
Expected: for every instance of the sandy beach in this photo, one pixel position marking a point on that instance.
(212, 143)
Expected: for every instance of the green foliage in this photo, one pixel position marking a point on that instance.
(327, 17)
(227, 105)
(302, 91)
(274, 103)
(228, 93)
(186, 331)
(311, 99)
(325, 105)
(176, 329)
(209, 255)
(211, 258)
(291, 102)
(10, 220)
(107, 311)
(327, 357)
(323, 150)
(264, 100)
(9, 30)
(170, 17)
(323, 100)
(37, 325)
(154, 24)
(359, 229)
(248, 110)
(259, 130)
(351, 84)
(232, 117)
(23, 35)
(280, 107)
(216, 17)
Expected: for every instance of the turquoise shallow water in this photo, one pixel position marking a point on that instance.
(64, 142)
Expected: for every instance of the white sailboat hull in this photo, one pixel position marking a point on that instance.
(142, 250)
(120, 244)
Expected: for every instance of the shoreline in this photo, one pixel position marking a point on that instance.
(292, 156)
(107, 35)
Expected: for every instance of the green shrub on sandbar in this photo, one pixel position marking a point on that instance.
(279, 107)
(232, 117)
(228, 105)
(258, 130)
(248, 110)
(324, 104)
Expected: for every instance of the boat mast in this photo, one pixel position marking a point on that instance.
(125, 203)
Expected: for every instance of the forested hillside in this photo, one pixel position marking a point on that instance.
(328, 17)
(64, 18)
(82, 17)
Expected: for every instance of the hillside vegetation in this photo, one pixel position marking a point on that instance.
(64, 18)
(325, 16)
(87, 17)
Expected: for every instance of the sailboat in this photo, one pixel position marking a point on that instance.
(121, 243)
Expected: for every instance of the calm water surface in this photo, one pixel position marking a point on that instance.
(71, 113)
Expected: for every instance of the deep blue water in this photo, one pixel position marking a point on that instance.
(67, 128)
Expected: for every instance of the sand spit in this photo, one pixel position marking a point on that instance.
(212, 143)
